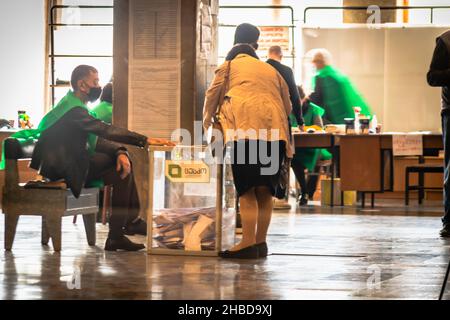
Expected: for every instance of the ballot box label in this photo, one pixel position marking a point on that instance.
(187, 171)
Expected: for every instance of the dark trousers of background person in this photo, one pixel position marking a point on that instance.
(446, 137)
(125, 200)
(307, 185)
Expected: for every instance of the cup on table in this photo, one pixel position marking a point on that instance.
(379, 126)
(349, 125)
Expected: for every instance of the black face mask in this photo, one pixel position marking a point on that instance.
(94, 94)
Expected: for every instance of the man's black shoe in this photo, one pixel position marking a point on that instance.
(122, 244)
(445, 231)
(137, 227)
(303, 201)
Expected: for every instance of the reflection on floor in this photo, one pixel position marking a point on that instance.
(316, 253)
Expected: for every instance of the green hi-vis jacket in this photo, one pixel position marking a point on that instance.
(308, 156)
(339, 96)
(67, 103)
(103, 111)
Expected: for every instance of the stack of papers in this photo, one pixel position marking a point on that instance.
(185, 228)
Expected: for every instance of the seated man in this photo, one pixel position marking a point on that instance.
(66, 151)
(104, 111)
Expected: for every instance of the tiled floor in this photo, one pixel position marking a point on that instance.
(320, 253)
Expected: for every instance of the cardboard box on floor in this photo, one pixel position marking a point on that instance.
(325, 188)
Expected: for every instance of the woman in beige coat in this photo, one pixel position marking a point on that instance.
(254, 117)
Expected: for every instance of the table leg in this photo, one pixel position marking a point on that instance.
(333, 161)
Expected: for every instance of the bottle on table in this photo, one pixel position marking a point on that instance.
(357, 111)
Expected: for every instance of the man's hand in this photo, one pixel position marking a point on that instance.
(301, 128)
(123, 166)
(160, 142)
(303, 101)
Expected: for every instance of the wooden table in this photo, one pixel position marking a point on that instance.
(320, 140)
(365, 161)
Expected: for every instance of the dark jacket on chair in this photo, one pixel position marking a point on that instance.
(62, 153)
(439, 74)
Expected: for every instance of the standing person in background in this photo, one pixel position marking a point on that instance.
(307, 158)
(275, 55)
(439, 76)
(334, 91)
(256, 101)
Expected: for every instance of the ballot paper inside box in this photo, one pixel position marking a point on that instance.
(192, 202)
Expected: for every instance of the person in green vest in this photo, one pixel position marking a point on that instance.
(334, 91)
(73, 146)
(306, 158)
(104, 109)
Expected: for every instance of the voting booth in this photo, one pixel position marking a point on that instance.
(192, 202)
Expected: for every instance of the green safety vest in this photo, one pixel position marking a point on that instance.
(104, 111)
(340, 96)
(66, 104)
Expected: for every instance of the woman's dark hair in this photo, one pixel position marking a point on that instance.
(107, 93)
(79, 73)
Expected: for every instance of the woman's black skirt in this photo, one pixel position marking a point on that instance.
(257, 163)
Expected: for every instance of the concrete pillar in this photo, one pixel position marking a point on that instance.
(197, 59)
(360, 16)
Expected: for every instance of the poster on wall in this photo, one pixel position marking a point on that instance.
(274, 36)
(154, 67)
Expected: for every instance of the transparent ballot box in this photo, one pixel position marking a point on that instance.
(192, 202)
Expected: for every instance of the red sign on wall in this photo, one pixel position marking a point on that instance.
(274, 36)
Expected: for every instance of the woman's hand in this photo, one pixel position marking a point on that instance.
(160, 142)
(123, 166)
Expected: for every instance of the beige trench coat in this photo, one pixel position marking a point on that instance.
(257, 101)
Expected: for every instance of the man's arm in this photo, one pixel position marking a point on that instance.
(316, 97)
(84, 121)
(439, 73)
(118, 152)
(110, 148)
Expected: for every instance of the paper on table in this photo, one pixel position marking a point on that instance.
(407, 145)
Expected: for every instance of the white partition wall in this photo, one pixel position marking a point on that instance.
(388, 66)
